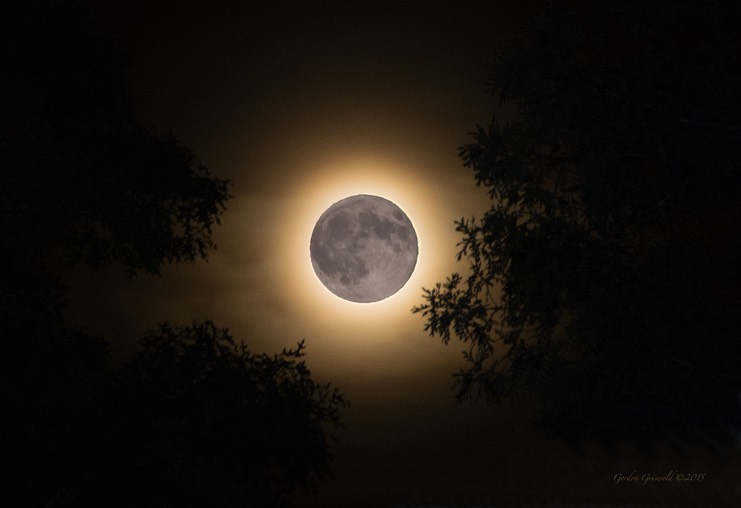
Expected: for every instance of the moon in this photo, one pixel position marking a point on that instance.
(364, 248)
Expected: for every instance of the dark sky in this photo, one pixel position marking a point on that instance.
(300, 104)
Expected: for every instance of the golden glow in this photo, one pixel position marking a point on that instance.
(331, 183)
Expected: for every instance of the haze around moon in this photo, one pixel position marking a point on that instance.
(364, 248)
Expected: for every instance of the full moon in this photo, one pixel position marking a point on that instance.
(363, 248)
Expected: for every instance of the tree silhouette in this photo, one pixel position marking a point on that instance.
(82, 178)
(193, 419)
(604, 278)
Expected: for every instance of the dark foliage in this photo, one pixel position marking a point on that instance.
(193, 419)
(82, 180)
(605, 276)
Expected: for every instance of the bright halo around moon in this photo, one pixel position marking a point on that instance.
(363, 248)
(328, 180)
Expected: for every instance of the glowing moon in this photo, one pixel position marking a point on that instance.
(363, 248)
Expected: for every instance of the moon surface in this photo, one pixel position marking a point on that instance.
(364, 248)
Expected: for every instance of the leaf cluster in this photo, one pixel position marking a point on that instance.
(603, 278)
(193, 418)
(196, 417)
(82, 179)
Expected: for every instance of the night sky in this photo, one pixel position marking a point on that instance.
(300, 104)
